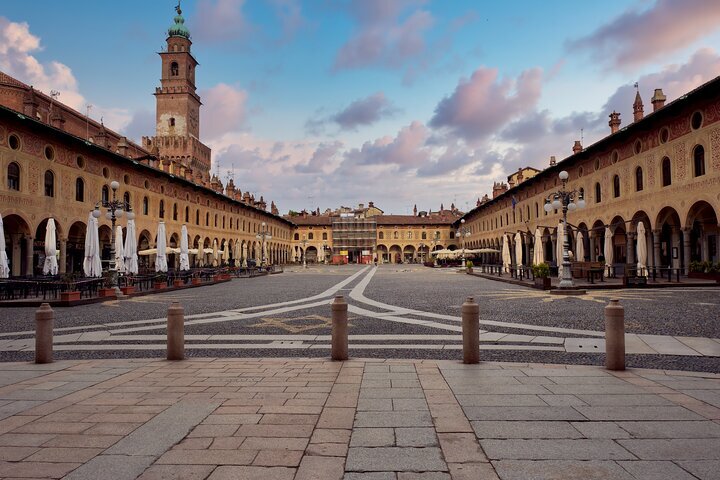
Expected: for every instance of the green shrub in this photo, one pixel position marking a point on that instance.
(696, 266)
(469, 264)
(541, 270)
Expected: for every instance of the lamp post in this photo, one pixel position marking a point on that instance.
(263, 235)
(567, 200)
(435, 242)
(463, 232)
(304, 242)
(422, 252)
(325, 247)
(115, 209)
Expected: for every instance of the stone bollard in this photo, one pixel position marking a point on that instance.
(614, 336)
(471, 331)
(176, 332)
(44, 322)
(339, 339)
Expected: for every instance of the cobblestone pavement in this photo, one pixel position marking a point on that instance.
(395, 311)
(305, 419)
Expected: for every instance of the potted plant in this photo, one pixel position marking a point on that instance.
(704, 270)
(106, 290)
(178, 282)
(469, 266)
(72, 293)
(160, 281)
(541, 273)
(196, 280)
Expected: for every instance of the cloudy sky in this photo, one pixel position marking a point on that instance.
(321, 103)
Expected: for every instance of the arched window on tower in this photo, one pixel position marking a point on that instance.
(174, 69)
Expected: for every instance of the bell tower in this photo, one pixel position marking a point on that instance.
(177, 117)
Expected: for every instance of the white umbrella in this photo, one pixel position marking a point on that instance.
(244, 254)
(559, 247)
(608, 251)
(92, 265)
(215, 253)
(51, 264)
(641, 250)
(161, 258)
(538, 251)
(130, 251)
(237, 252)
(506, 254)
(4, 268)
(226, 252)
(518, 250)
(119, 254)
(579, 247)
(184, 259)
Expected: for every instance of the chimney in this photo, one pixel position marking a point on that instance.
(577, 147)
(637, 108)
(520, 176)
(371, 204)
(122, 147)
(552, 161)
(658, 99)
(614, 122)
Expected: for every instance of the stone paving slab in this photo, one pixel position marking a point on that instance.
(304, 419)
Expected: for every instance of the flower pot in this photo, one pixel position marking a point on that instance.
(128, 290)
(106, 292)
(469, 270)
(70, 296)
(216, 278)
(197, 281)
(542, 282)
(160, 285)
(178, 283)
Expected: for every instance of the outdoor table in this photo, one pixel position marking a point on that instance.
(591, 272)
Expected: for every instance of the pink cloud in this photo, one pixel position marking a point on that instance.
(225, 110)
(406, 150)
(219, 20)
(385, 37)
(637, 37)
(482, 104)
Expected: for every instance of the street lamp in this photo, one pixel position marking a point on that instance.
(463, 232)
(304, 242)
(115, 209)
(263, 235)
(422, 252)
(435, 242)
(325, 247)
(567, 200)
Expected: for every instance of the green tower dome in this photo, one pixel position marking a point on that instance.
(178, 29)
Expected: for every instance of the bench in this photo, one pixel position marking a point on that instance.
(580, 269)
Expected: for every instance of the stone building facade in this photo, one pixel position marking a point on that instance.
(58, 163)
(663, 170)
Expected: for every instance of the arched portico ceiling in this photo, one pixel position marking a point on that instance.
(703, 213)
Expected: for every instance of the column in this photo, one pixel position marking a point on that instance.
(591, 247)
(630, 248)
(686, 250)
(62, 268)
(528, 256)
(553, 255)
(656, 247)
(16, 254)
(675, 243)
(29, 255)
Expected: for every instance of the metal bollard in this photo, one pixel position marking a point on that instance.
(614, 336)
(339, 339)
(471, 331)
(44, 322)
(176, 332)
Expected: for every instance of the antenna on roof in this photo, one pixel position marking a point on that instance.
(582, 135)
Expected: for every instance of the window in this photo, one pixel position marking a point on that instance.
(79, 190)
(223, 222)
(381, 235)
(146, 206)
(216, 218)
(187, 214)
(452, 234)
(13, 176)
(666, 172)
(174, 70)
(49, 184)
(396, 235)
(49, 153)
(105, 193)
(197, 217)
(409, 235)
(310, 236)
(664, 135)
(126, 198)
(14, 142)
(598, 193)
(207, 219)
(699, 160)
(324, 235)
(297, 236)
(172, 121)
(162, 209)
(423, 236)
(696, 120)
(638, 179)
(616, 186)
(537, 210)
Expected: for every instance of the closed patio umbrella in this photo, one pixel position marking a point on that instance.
(641, 250)
(130, 251)
(608, 252)
(506, 255)
(92, 265)
(237, 253)
(51, 263)
(215, 254)
(579, 247)
(518, 249)
(244, 254)
(4, 268)
(119, 251)
(161, 258)
(559, 247)
(184, 258)
(226, 252)
(538, 251)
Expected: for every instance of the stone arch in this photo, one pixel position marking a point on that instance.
(408, 253)
(701, 229)
(18, 244)
(395, 254)
(75, 248)
(667, 238)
